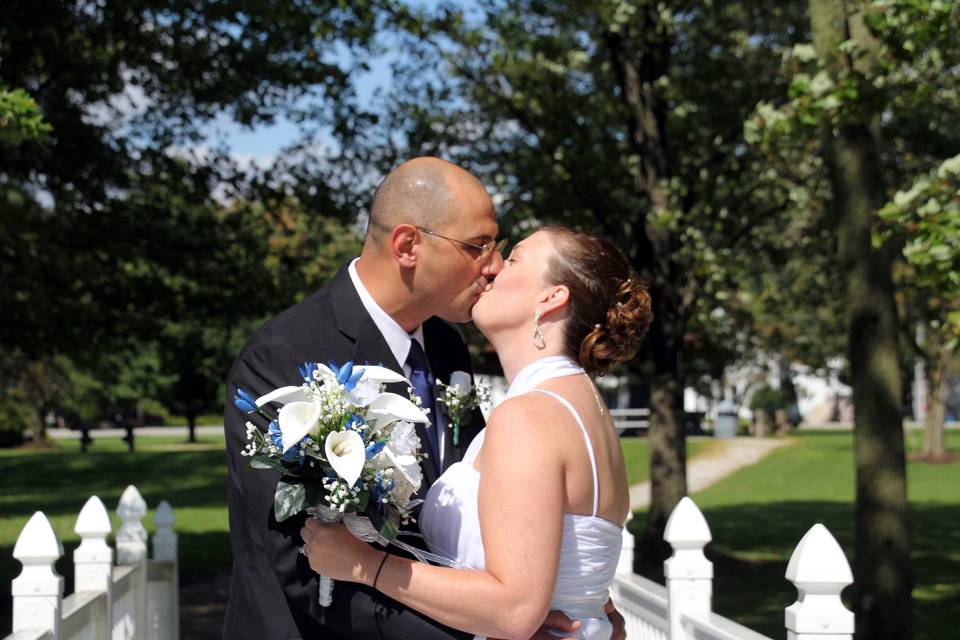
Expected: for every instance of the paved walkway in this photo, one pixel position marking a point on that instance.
(718, 461)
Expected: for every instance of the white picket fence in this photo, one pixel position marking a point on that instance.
(136, 598)
(682, 610)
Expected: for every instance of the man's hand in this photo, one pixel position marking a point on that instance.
(556, 621)
(619, 624)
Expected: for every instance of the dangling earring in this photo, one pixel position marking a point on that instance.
(538, 341)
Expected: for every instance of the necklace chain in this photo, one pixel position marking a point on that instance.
(596, 394)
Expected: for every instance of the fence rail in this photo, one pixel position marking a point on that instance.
(682, 609)
(136, 598)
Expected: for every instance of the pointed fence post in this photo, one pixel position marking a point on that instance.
(93, 559)
(164, 540)
(688, 573)
(625, 563)
(165, 550)
(38, 590)
(819, 570)
(132, 550)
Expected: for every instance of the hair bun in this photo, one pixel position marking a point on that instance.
(609, 307)
(618, 338)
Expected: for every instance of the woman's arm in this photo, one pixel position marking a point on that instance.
(521, 519)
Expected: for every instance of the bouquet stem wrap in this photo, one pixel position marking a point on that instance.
(361, 528)
(326, 515)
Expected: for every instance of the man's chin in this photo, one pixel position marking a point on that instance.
(455, 316)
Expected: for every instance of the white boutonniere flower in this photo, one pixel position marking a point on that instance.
(459, 398)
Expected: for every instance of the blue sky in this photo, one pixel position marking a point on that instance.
(263, 142)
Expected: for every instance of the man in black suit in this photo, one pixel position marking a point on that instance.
(429, 252)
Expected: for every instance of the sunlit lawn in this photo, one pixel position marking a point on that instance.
(758, 515)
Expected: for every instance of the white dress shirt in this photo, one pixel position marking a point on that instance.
(396, 336)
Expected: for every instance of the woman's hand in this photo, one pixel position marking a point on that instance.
(335, 552)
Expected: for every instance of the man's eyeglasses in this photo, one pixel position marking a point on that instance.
(484, 250)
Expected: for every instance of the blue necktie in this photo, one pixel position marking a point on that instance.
(421, 379)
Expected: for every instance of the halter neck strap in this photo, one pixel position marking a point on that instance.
(540, 371)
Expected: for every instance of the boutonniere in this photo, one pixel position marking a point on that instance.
(459, 399)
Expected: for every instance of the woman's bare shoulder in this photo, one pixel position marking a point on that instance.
(530, 415)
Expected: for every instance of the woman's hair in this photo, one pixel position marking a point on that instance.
(609, 307)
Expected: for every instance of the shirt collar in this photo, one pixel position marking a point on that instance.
(397, 338)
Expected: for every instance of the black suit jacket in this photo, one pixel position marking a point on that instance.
(273, 591)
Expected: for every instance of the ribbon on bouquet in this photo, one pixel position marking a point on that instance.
(361, 528)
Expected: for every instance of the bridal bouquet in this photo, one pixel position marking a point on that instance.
(347, 449)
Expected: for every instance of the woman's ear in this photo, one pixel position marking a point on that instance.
(553, 300)
(403, 244)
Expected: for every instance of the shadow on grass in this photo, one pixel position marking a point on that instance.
(195, 478)
(753, 543)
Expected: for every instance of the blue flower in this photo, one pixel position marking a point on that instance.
(346, 375)
(353, 422)
(276, 437)
(307, 369)
(374, 448)
(244, 401)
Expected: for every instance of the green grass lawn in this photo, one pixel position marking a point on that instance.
(759, 514)
(636, 455)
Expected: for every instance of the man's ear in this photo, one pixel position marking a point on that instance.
(553, 300)
(403, 245)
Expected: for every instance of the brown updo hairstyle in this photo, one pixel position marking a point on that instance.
(609, 307)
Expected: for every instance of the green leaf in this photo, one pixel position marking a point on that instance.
(364, 498)
(266, 462)
(289, 500)
(388, 528)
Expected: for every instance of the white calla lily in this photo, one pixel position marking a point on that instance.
(390, 407)
(380, 374)
(284, 395)
(325, 371)
(297, 419)
(346, 454)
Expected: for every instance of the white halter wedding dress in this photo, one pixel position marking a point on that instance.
(590, 546)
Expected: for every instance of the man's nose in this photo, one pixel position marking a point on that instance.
(493, 265)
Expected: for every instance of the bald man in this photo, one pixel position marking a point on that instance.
(429, 251)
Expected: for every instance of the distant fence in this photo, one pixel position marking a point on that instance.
(136, 598)
(635, 422)
(682, 610)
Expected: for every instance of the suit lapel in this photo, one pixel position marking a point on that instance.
(370, 347)
(442, 366)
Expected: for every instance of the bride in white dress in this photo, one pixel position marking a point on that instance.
(535, 509)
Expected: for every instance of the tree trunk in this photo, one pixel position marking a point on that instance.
(641, 58)
(192, 426)
(934, 434)
(882, 571)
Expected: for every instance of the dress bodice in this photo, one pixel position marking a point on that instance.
(590, 544)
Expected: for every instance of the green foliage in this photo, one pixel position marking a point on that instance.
(529, 96)
(112, 227)
(771, 399)
(927, 218)
(20, 119)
